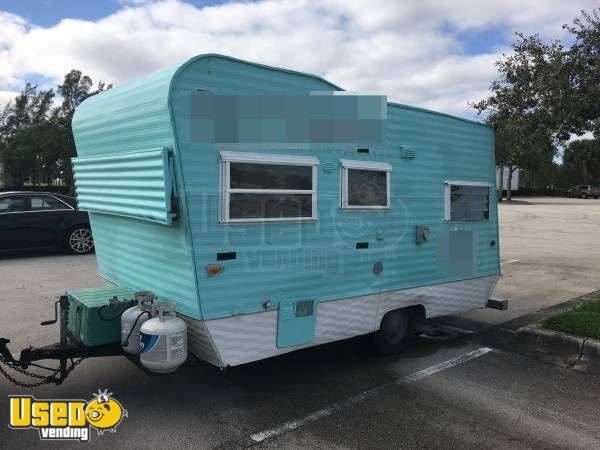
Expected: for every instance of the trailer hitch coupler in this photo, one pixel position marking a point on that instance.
(4, 351)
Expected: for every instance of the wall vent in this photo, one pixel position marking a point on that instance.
(329, 166)
(407, 152)
(304, 308)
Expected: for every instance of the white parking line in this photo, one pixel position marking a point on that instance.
(510, 261)
(328, 410)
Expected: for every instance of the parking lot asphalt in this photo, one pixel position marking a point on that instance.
(454, 394)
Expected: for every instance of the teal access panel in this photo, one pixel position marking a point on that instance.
(296, 322)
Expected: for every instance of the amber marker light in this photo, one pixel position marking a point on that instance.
(214, 269)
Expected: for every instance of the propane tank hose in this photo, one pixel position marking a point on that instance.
(125, 343)
(112, 303)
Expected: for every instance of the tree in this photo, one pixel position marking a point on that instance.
(584, 64)
(581, 160)
(520, 143)
(75, 89)
(36, 141)
(539, 168)
(545, 93)
(560, 86)
(522, 128)
(20, 123)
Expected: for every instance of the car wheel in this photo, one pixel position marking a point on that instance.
(80, 241)
(583, 196)
(396, 332)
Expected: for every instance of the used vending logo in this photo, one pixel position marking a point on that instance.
(66, 419)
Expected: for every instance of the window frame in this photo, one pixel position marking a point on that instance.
(447, 204)
(225, 191)
(375, 166)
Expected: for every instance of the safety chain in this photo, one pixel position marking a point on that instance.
(45, 379)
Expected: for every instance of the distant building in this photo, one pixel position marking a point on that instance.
(515, 179)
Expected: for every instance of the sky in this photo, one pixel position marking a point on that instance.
(433, 54)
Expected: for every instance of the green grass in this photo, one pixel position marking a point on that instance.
(582, 321)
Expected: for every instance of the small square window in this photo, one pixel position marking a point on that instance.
(365, 185)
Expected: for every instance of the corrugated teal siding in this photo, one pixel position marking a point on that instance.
(131, 184)
(146, 256)
(319, 260)
(133, 116)
(133, 253)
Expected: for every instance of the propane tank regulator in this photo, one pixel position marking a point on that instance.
(133, 318)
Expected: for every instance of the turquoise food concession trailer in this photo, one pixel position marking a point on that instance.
(279, 212)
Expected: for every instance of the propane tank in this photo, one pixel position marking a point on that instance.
(163, 340)
(132, 320)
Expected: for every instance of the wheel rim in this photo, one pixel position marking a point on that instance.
(81, 240)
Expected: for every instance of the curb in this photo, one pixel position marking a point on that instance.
(553, 346)
(524, 335)
(591, 351)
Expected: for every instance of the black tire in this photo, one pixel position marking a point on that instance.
(395, 333)
(583, 196)
(79, 240)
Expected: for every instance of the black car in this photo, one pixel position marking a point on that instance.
(42, 219)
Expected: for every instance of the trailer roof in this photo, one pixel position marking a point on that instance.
(333, 85)
(162, 81)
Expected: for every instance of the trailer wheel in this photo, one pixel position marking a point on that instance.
(395, 333)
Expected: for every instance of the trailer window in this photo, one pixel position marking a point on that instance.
(365, 185)
(467, 200)
(259, 187)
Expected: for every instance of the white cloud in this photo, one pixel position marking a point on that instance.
(396, 48)
(586, 135)
(7, 96)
